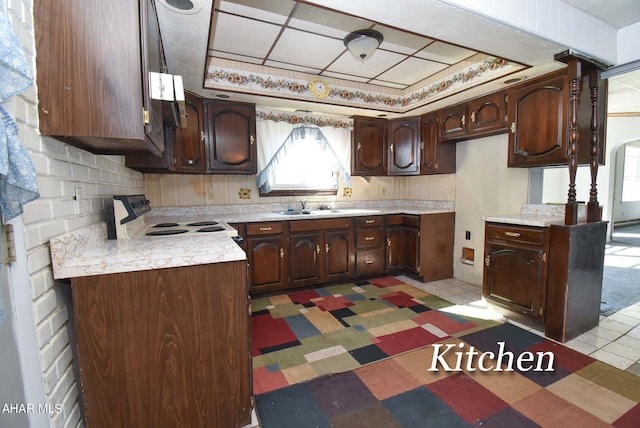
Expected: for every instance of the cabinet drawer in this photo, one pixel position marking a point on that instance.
(411, 220)
(369, 262)
(320, 224)
(511, 233)
(269, 228)
(370, 238)
(394, 219)
(370, 221)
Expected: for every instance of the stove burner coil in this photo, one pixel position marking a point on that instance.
(203, 223)
(166, 232)
(211, 229)
(165, 225)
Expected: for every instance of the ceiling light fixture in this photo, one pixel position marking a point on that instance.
(363, 43)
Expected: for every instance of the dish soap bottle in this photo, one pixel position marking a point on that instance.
(290, 207)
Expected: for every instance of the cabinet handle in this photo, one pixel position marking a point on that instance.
(473, 117)
(252, 139)
(391, 148)
(369, 238)
(326, 248)
(265, 229)
(318, 249)
(369, 262)
(201, 135)
(281, 253)
(513, 127)
(512, 234)
(544, 257)
(370, 221)
(388, 242)
(359, 147)
(487, 261)
(463, 119)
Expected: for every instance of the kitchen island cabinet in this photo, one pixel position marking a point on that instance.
(515, 268)
(164, 347)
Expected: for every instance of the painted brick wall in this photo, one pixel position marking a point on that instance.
(61, 169)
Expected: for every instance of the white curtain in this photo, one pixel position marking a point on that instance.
(272, 136)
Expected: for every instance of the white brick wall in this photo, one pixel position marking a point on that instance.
(60, 170)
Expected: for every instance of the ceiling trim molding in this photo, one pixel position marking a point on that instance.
(225, 75)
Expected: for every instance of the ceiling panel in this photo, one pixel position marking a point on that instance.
(411, 70)
(234, 34)
(446, 53)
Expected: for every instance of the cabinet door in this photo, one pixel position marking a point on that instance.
(487, 115)
(395, 248)
(453, 122)
(231, 130)
(305, 266)
(267, 262)
(538, 129)
(340, 255)
(411, 249)
(152, 61)
(189, 145)
(369, 146)
(436, 157)
(515, 277)
(404, 143)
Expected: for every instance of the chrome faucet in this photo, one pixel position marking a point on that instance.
(304, 204)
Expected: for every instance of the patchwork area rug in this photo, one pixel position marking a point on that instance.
(302, 335)
(400, 391)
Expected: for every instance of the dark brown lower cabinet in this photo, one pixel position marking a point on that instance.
(165, 347)
(320, 250)
(515, 268)
(266, 248)
(428, 245)
(395, 244)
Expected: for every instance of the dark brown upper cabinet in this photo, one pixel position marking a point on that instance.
(189, 147)
(93, 74)
(185, 150)
(369, 148)
(453, 122)
(231, 130)
(404, 146)
(487, 115)
(539, 128)
(436, 157)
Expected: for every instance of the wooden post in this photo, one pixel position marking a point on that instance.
(593, 207)
(574, 76)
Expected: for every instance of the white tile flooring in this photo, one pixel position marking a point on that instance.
(616, 341)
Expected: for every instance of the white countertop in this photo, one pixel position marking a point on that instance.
(541, 215)
(87, 252)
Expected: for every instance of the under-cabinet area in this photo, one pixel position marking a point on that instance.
(296, 253)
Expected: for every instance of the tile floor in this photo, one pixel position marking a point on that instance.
(616, 341)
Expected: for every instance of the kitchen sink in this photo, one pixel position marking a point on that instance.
(327, 212)
(299, 212)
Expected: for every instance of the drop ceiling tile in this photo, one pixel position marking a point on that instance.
(346, 77)
(275, 11)
(235, 57)
(443, 52)
(399, 41)
(326, 22)
(287, 66)
(306, 49)
(388, 84)
(237, 35)
(379, 62)
(411, 71)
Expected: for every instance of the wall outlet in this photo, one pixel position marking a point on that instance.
(467, 235)
(211, 195)
(245, 193)
(347, 192)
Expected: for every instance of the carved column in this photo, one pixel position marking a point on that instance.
(593, 207)
(574, 76)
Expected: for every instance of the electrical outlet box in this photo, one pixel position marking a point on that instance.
(211, 194)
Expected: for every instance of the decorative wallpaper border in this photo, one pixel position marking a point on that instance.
(296, 118)
(260, 83)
